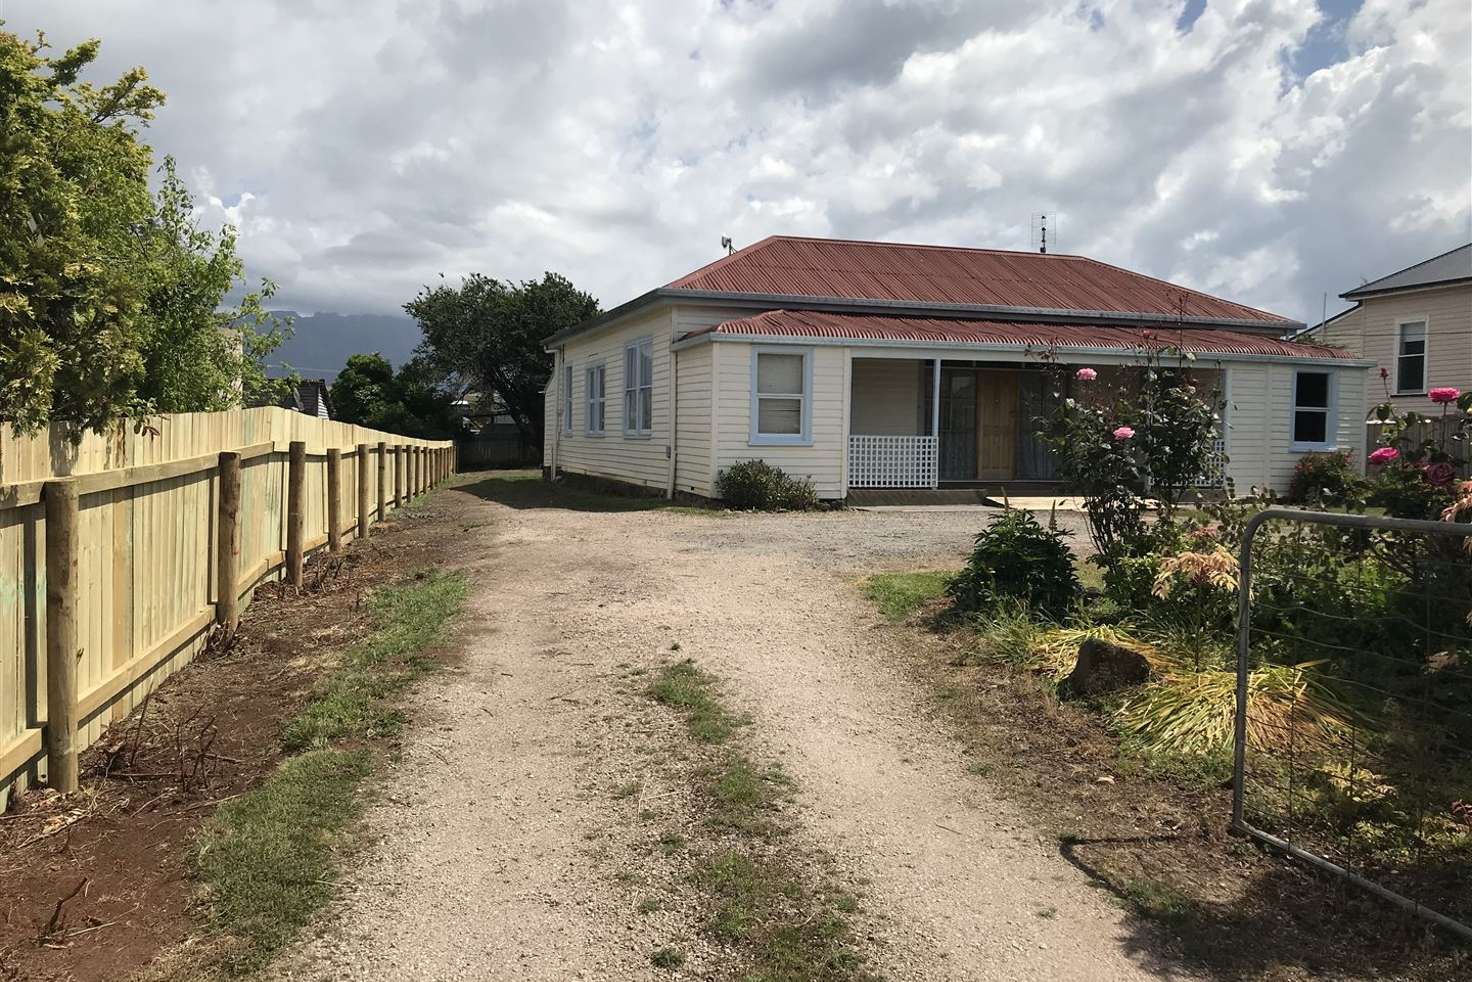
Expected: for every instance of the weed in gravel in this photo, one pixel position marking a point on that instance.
(761, 895)
(667, 958)
(685, 687)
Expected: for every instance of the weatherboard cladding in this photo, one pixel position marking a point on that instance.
(924, 330)
(841, 269)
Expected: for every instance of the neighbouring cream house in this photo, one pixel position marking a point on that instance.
(872, 365)
(1416, 325)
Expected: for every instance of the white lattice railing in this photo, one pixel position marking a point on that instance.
(892, 461)
(1215, 473)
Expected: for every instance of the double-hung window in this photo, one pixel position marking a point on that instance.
(1410, 358)
(597, 400)
(1313, 400)
(639, 388)
(781, 396)
(567, 398)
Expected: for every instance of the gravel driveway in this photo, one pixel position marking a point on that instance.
(495, 854)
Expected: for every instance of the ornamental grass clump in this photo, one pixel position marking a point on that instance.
(1194, 711)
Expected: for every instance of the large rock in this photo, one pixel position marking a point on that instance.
(1103, 667)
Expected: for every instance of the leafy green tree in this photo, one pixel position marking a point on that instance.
(489, 334)
(412, 402)
(109, 299)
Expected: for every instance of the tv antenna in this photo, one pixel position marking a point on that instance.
(727, 244)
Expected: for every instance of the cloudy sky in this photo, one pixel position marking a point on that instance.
(1265, 150)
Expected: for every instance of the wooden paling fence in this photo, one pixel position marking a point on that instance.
(114, 549)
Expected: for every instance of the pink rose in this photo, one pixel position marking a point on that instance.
(1447, 393)
(1086, 375)
(1123, 433)
(1384, 455)
(1439, 475)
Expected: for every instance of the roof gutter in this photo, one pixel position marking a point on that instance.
(913, 308)
(1363, 294)
(1096, 351)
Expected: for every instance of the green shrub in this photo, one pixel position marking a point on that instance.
(757, 485)
(1324, 478)
(1016, 558)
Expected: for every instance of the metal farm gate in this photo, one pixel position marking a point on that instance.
(1353, 741)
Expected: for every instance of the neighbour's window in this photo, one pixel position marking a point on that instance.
(567, 398)
(593, 384)
(1311, 401)
(639, 388)
(780, 393)
(1410, 357)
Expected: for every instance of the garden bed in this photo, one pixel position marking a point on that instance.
(1150, 828)
(97, 884)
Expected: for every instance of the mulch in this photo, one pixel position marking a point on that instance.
(94, 885)
(1236, 910)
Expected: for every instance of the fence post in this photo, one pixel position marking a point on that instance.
(413, 472)
(398, 475)
(382, 480)
(334, 500)
(61, 634)
(296, 481)
(227, 545)
(362, 512)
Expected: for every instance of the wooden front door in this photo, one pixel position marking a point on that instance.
(996, 425)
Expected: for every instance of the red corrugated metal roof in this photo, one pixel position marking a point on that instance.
(842, 269)
(925, 330)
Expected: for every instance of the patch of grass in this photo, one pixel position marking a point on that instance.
(743, 793)
(1090, 575)
(762, 896)
(667, 957)
(266, 860)
(1190, 770)
(900, 595)
(671, 842)
(791, 931)
(1155, 900)
(650, 905)
(627, 790)
(685, 687)
(408, 619)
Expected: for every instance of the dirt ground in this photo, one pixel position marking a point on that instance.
(504, 849)
(95, 887)
(532, 826)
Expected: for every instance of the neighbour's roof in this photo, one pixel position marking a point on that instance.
(1449, 267)
(935, 330)
(886, 271)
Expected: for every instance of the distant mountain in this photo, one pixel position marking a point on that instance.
(320, 343)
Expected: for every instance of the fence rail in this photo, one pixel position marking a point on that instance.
(113, 548)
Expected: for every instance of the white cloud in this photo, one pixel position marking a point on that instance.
(365, 148)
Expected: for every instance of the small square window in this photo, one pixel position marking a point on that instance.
(1313, 398)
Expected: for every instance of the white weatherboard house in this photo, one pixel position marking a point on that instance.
(871, 365)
